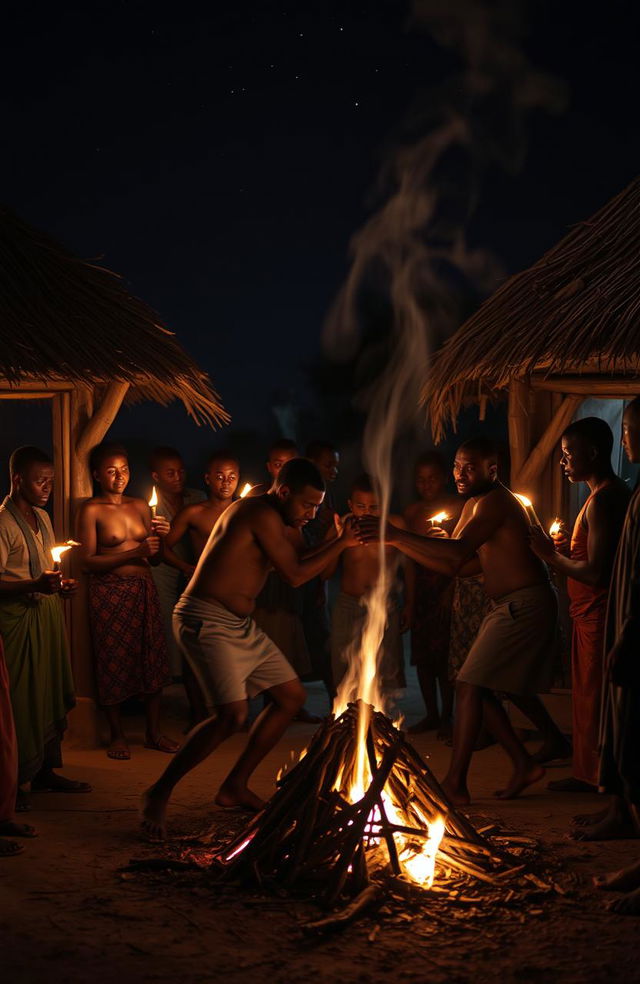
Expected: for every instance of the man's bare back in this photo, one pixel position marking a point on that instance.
(253, 537)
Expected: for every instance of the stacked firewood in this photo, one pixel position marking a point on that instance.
(311, 839)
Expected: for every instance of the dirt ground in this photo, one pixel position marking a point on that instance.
(68, 915)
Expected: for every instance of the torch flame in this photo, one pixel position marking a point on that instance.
(523, 500)
(440, 517)
(246, 488)
(57, 551)
(554, 529)
(153, 501)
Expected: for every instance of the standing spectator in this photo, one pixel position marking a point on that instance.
(32, 626)
(9, 771)
(169, 475)
(586, 457)
(430, 595)
(118, 542)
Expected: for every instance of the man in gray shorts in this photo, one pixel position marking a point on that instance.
(230, 656)
(515, 647)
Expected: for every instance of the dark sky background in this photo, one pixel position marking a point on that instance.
(220, 156)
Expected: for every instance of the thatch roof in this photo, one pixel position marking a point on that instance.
(577, 310)
(64, 319)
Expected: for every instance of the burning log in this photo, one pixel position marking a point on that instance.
(315, 834)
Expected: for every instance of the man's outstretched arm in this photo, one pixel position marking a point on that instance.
(269, 531)
(449, 557)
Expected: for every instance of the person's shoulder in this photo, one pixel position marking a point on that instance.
(413, 511)
(398, 520)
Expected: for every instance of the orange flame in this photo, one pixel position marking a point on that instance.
(153, 501)
(440, 517)
(555, 527)
(246, 488)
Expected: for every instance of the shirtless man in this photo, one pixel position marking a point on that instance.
(430, 595)
(586, 457)
(221, 478)
(231, 657)
(360, 568)
(515, 647)
(119, 540)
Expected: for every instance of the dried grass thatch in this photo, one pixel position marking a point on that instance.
(64, 319)
(575, 311)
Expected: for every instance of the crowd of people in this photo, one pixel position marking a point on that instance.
(229, 595)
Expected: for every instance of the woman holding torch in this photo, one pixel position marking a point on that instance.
(119, 541)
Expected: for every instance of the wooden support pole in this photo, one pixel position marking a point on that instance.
(518, 415)
(602, 386)
(533, 465)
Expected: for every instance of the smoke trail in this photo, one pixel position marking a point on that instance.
(413, 251)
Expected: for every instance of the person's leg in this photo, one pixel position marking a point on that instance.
(197, 706)
(554, 744)
(118, 747)
(200, 743)
(46, 780)
(287, 699)
(525, 770)
(446, 699)
(465, 732)
(153, 736)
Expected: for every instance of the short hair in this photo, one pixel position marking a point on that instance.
(362, 483)
(223, 455)
(634, 407)
(108, 449)
(432, 459)
(162, 454)
(297, 473)
(315, 448)
(594, 431)
(21, 458)
(484, 446)
(284, 444)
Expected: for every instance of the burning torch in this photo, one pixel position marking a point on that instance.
(246, 488)
(153, 503)
(439, 518)
(57, 552)
(527, 504)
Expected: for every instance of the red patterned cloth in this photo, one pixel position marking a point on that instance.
(129, 644)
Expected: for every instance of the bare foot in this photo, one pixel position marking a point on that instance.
(458, 795)
(558, 748)
(588, 819)
(624, 880)
(238, 797)
(520, 779)
(8, 849)
(119, 750)
(628, 905)
(153, 809)
(9, 828)
(611, 827)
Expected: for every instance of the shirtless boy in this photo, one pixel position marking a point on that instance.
(360, 569)
(221, 478)
(230, 656)
(430, 595)
(119, 540)
(515, 647)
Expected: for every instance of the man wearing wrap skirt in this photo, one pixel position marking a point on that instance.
(586, 457)
(32, 626)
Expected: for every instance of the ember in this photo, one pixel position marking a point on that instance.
(312, 837)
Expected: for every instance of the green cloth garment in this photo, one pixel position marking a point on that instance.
(36, 654)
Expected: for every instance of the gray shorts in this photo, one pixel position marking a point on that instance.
(231, 658)
(517, 643)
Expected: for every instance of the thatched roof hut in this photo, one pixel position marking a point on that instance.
(71, 333)
(565, 329)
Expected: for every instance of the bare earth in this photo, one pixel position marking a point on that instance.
(66, 915)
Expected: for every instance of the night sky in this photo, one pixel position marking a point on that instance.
(221, 156)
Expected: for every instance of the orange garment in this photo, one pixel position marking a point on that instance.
(588, 610)
(8, 747)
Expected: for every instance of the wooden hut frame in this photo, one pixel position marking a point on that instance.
(71, 333)
(566, 329)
